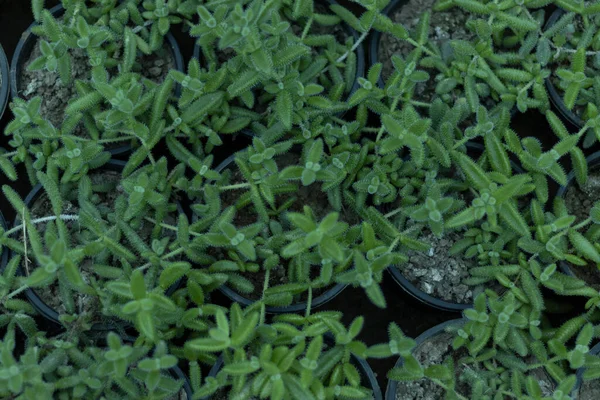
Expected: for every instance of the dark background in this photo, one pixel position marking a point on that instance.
(409, 314)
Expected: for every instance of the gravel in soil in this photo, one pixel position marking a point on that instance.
(579, 201)
(444, 26)
(438, 273)
(311, 196)
(56, 95)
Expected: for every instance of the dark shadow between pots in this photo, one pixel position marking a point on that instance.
(48, 312)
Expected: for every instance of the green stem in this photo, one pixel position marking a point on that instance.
(425, 49)
(582, 224)
(165, 257)
(236, 186)
(358, 43)
(263, 308)
(420, 104)
(392, 213)
(16, 292)
(308, 302)
(394, 244)
(307, 28)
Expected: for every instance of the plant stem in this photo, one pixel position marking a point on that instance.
(236, 186)
(358, 43)
(420, 104)
(308, 302)
(425, 49)
(167, 226)
(165, 257)
(392, 213)
(307, 27)
(263, 308)
(41, 220)
(582, 224)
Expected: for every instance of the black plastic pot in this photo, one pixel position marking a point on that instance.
(360, 53)
(28, 41)
(294, 308)
(363, 368)
(593, 162)
(555, 96)
(417, 293)
(4, 81)
(46, 311)
(392, 387)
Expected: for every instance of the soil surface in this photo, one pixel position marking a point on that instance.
(444, 26)
(305, 195)
(438, 273)
(579, 202)
(56, 96)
